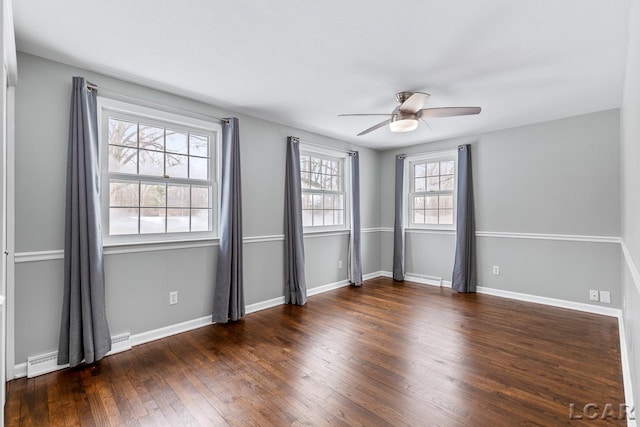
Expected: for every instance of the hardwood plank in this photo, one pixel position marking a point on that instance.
(387, 353)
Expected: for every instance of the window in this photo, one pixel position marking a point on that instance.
(324, 204)
(158, 175)
(432, 191)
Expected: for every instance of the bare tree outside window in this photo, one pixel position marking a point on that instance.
(139, 155)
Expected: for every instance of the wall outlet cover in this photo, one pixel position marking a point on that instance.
(605, 297)
(593, 295)
(173, 297)
(496, 270)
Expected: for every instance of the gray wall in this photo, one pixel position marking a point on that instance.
(138, 283)
(559, 177)
(630, 184)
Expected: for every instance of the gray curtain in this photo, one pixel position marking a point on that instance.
(355, 261)
(398, 226)
(228, 300)
(84, 332)
(295, 284)
(464, 267)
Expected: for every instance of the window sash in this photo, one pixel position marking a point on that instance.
(342, 176)
(411, 193)
(142, 116)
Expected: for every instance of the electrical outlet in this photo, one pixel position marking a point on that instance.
(593, 295)
(173, 297)
(605, 297)
(496, 270)
(340, 264)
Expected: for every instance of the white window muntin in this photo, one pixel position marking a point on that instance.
(410, 190)
(343, 190)
(109, 108)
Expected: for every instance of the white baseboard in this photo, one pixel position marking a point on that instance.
(20, 371)
(589, 308)
(578, 306)
(626, 369)
(167, 331)
(326, 288)
(372, 275)
(262, 305)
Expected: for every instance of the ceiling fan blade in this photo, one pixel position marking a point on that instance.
(429, 113)
(372, 114)
(374, 127)
(415, 102)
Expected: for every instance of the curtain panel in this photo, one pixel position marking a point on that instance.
(84, 331)
(295, 284)
(464, 277)
(228, 301)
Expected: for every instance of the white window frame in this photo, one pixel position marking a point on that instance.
(343, 157)
(113, 108)
(408, 175)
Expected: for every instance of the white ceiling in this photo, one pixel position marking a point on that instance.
(303, 62)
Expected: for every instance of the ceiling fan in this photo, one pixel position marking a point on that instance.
(404, 117)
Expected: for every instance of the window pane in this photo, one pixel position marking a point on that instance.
(419, 170)
(177, 220)
(199, 145)
(326, 182)
(335, 184)
(446, 168)
(338, 201)
(306, 201)
(315, 164)
(200, 219)
(431, 216)
(446, 182)
(152, 220)
(418, 217)
(123, 133)
(431, 202)
(176, 142)
(151, 138)
(328, 201)
(176, 165)
(317, 217)
(178, 196)
(328, 217)
(446, 216)
(152, 195)
(446, 202)
(433, 169)
(123, 221)
(151, 163)
(418, 202)
(198, 168)
(123, 193)
(199, 197)
(123, 160)
(338, 217)
(305, 179)
(304, 163)
(315, 182)
(317, 201)
(433, 183)
(306, 218)
(419, 184)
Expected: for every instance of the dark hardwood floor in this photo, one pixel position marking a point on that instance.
(384, 354)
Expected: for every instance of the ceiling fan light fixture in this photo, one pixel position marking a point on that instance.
(403, 124)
